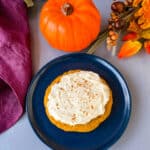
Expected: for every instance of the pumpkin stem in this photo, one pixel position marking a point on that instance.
(67, 9)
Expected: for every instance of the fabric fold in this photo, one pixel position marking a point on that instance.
(15, 61)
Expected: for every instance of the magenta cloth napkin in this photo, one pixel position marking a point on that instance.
(15, 61)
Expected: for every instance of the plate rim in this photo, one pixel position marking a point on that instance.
(52, 144)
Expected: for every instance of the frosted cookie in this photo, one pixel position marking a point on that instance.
(78, 101)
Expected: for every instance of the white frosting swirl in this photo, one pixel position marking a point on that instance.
(78, 98)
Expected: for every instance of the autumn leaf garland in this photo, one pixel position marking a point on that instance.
(133, 17)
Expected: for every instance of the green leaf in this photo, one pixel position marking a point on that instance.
(29, 3)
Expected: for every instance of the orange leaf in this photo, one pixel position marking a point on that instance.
(147, 46)
(130, 36)
(136, 2)
(134, 27)
(129, 48)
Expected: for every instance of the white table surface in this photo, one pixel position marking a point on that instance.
(135, 70)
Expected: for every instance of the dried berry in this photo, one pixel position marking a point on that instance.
(111, 40)
(111, 24)
(114, 37)
(110, 27)
(118, 7)
(111, 32)
(114, 16)
(119, 24)
(108, 40)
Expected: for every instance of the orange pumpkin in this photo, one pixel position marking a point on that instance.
(70, 25)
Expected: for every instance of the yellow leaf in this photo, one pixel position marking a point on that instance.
(143, 15)
(29, 3)
(145, 34)
(129, 48)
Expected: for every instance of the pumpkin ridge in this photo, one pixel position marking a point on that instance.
(57, 36)
(64, 36)
(88, 26)
(62, 26)
(52, 9)
(72, 33)
(76, 41)
(43, 26)
(82, 23)
(54, 32)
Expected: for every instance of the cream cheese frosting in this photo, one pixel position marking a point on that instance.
(78, 98)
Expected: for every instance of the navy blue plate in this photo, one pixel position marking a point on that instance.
(102, 137)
